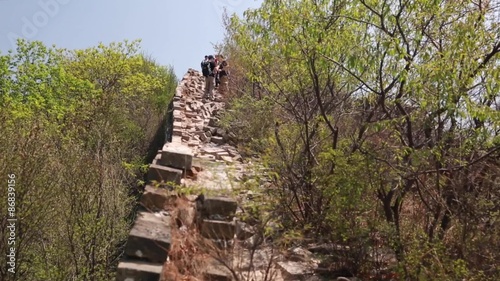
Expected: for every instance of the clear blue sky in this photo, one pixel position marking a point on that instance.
(177, 33)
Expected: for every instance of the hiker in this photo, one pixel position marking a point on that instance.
(208, 69)
(218, 60)
(224, 78)
(217, 77)
(204, 70)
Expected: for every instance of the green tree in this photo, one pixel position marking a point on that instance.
(385, 105)
(72, 123)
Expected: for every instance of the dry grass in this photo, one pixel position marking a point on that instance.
(191, 254)
(184, 256)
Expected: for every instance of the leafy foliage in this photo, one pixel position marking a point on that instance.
(73, 123)
(387, 125)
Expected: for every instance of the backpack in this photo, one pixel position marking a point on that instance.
(206, 70)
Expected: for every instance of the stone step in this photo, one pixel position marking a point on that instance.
(164, 174)
(178, 117)
(177, 132)
(138, 271)
(178, 105)
(177, 139)
(217, 140)
(177, 156)
(154, 198)
(222, 206)
(177, 125)
(150, 237)
(214, 229)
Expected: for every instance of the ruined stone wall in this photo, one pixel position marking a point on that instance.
(171, 230)
(195, 136)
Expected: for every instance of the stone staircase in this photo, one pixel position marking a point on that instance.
(195, 137)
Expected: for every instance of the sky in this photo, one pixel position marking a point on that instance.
(176, 33)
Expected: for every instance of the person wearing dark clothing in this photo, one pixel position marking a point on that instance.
(224, 78)
(204, 68)
(209, 77)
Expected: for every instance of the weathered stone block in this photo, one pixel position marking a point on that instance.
(217, 229)
(154, 198)
(177, 156)
(296, 270)
(178, 92)
(222, 206)
(244, 231)
(211, 150)
(177, 132)
(220, 132)
(227, 159)
(177, 139)
(138, 271)
(161, 173)
(207, 157)
(178, 116)
(149, 238)
(219, 273)
(194, 143)
(213, 130)
(178, 105)
(217, 140)
(157, 158)
(204, 137)
(190, 114)
(177, 125)
(222, 154)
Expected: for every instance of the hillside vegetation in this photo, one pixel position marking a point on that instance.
(75, 129)
(380, 121)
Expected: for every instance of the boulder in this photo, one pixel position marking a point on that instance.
(177, 156)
